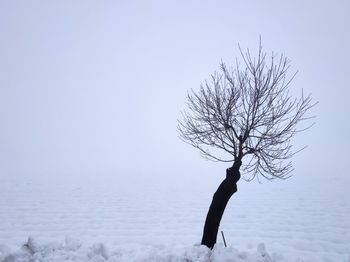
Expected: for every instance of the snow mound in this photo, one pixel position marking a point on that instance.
(73, 250)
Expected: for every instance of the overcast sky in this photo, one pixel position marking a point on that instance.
(96, 87)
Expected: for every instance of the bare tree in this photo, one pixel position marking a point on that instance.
(245, 112)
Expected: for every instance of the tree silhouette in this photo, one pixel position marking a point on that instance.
(245, 112)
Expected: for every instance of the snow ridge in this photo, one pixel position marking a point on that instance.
(74, 250)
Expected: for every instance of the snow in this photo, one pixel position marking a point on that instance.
(69, 251)
(161, 218)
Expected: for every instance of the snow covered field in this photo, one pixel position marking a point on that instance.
(161, 219)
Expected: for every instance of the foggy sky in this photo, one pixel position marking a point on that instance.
(96, 87)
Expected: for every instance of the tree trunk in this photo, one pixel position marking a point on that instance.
(217, 207)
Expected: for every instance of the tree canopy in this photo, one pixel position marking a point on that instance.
(247, 112)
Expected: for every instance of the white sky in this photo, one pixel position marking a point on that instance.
(96, 87)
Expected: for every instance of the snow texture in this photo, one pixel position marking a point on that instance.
(75, 251)
(158, 219)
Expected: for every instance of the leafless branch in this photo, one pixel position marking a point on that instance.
(247, 112)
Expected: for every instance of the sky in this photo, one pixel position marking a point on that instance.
(95, 88)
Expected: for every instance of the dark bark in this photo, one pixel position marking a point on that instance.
(217, 207)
